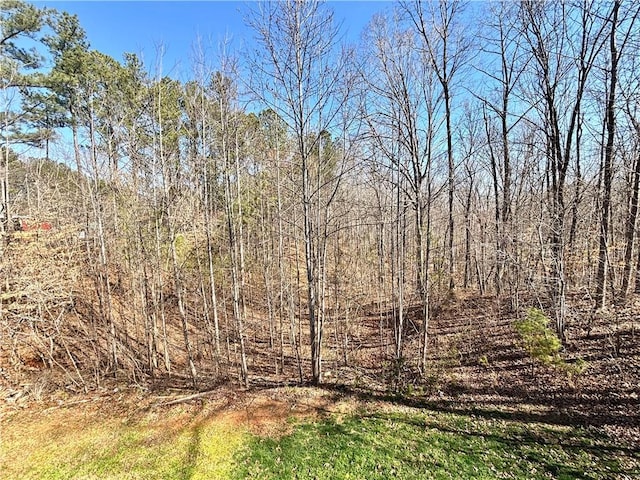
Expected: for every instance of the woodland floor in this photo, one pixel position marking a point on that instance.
(476, 370)
(476, 365)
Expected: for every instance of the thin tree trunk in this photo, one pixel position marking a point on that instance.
(605, 209)
(631, 231)
(182, 310)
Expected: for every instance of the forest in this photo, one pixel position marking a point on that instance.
(306, 211)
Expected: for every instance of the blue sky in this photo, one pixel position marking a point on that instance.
(115, 27)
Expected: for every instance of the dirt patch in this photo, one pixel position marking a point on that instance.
(264, 412)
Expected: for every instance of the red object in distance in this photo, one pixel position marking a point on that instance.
(25, 227)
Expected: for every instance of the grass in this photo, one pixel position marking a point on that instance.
(434, 445)
(75, 444)
(199, 442)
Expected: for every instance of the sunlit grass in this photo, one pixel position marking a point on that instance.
(434, 445)
(70, 444)
(189, 442)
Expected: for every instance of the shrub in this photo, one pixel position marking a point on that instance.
(543, 345)
(539, 341)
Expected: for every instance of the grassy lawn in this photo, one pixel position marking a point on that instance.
(76, 444)
(432, 445)
(201, 443)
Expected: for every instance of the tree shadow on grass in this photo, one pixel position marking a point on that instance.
(409, 445)
(552, 418)
(562, 409)
(192, 452)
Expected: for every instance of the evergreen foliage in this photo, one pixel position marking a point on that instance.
(538, 339)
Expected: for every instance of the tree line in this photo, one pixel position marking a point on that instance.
(249, 220)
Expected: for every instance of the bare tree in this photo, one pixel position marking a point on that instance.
(560, 82)
(228, 149)
(616, 48)
(401, 111)
(446, 48)
(505, 65)
(299, 74)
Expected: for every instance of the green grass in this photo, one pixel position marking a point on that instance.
(79, 445)
(96, 442)
(434, 446)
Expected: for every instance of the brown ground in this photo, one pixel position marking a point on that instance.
(476, 366)
(480, 367)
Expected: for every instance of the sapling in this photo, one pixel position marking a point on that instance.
(543, 345)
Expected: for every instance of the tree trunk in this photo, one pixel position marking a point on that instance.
(605, 209)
